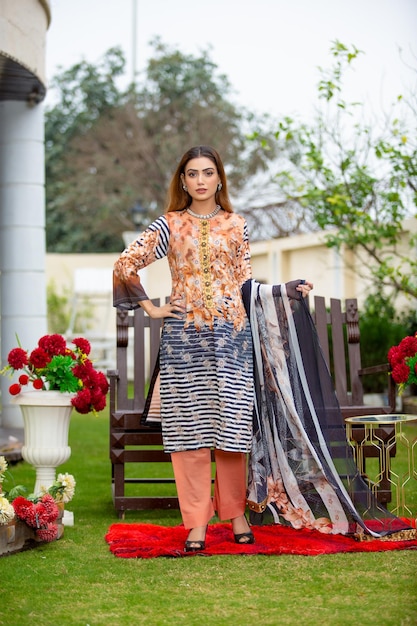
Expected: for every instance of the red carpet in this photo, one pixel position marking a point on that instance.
(147, 541)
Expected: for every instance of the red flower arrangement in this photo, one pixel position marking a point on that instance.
(39, 512)
(54, 366)
(403, 362)
(41, 515)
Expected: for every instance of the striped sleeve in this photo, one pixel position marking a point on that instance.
(243, 259)
(150, 246)
(160, 225)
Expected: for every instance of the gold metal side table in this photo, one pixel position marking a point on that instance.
(384, 448)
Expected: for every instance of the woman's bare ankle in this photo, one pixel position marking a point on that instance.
(197, 534)
(240, 524)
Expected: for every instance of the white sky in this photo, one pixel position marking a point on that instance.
(268, 49)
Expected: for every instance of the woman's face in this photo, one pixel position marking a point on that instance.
(201, 178)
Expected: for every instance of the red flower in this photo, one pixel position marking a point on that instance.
(53, 344)
(84, 371)
(102, 382)
(408, 346)
(82, 344)
(39, 358)
(93, 381)
(46, 510)
(42, 514)
(50, 533)
(17, 358)
(15, 389)
(52, 365)
(50, 507)
(99, 403)
(400, 373)
(403, 362)
(82, 401)
(39, 515)
(25, 510)
(394, 355)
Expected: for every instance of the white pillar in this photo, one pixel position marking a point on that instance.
(22, 236)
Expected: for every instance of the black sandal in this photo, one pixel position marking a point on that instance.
(195, 545)
(247, 537)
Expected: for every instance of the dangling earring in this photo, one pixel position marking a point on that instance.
(219, 187)
(185, 187)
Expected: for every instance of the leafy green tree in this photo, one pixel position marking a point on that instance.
(84, 93)
(109, 150)
(357, 185)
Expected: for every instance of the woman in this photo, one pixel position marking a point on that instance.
(206, 348)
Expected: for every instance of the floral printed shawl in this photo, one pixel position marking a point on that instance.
(301, 468)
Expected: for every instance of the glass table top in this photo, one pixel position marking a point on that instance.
(381, 419)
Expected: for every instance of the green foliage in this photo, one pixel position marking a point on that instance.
(59, 374)
(58, 310)
(358, 186)
(107, 149)
(330, 83)
(14, 492)
(184, 83)
(85, 93)
(412, 363)
(60, 314)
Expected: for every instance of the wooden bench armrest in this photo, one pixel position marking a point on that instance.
(392, 388)
(375, 369)
(113, 376)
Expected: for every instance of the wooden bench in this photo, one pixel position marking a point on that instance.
(137, 340)
(344, 359)
(131, 443)
(344, 362)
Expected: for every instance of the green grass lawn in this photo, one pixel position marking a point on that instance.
(77, 581)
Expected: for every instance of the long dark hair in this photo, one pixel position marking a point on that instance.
(179, 199)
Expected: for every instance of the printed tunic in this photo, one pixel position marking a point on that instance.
(206, 357)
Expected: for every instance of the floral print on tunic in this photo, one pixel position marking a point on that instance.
(209, 262)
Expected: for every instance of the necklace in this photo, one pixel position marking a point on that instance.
(204, 217)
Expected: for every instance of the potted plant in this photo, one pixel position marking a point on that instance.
(54, 379)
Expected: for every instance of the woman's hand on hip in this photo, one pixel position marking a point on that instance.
(159, 312)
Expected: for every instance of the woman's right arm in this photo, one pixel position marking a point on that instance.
(128, 291)
(150, 245)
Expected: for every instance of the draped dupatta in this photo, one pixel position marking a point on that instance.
(301, 467)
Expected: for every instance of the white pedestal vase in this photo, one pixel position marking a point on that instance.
(46, 420)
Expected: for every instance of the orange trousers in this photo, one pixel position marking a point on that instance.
(192, 471)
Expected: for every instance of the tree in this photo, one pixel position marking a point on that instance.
(356, 186)
(85, 92)
(108, 150)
